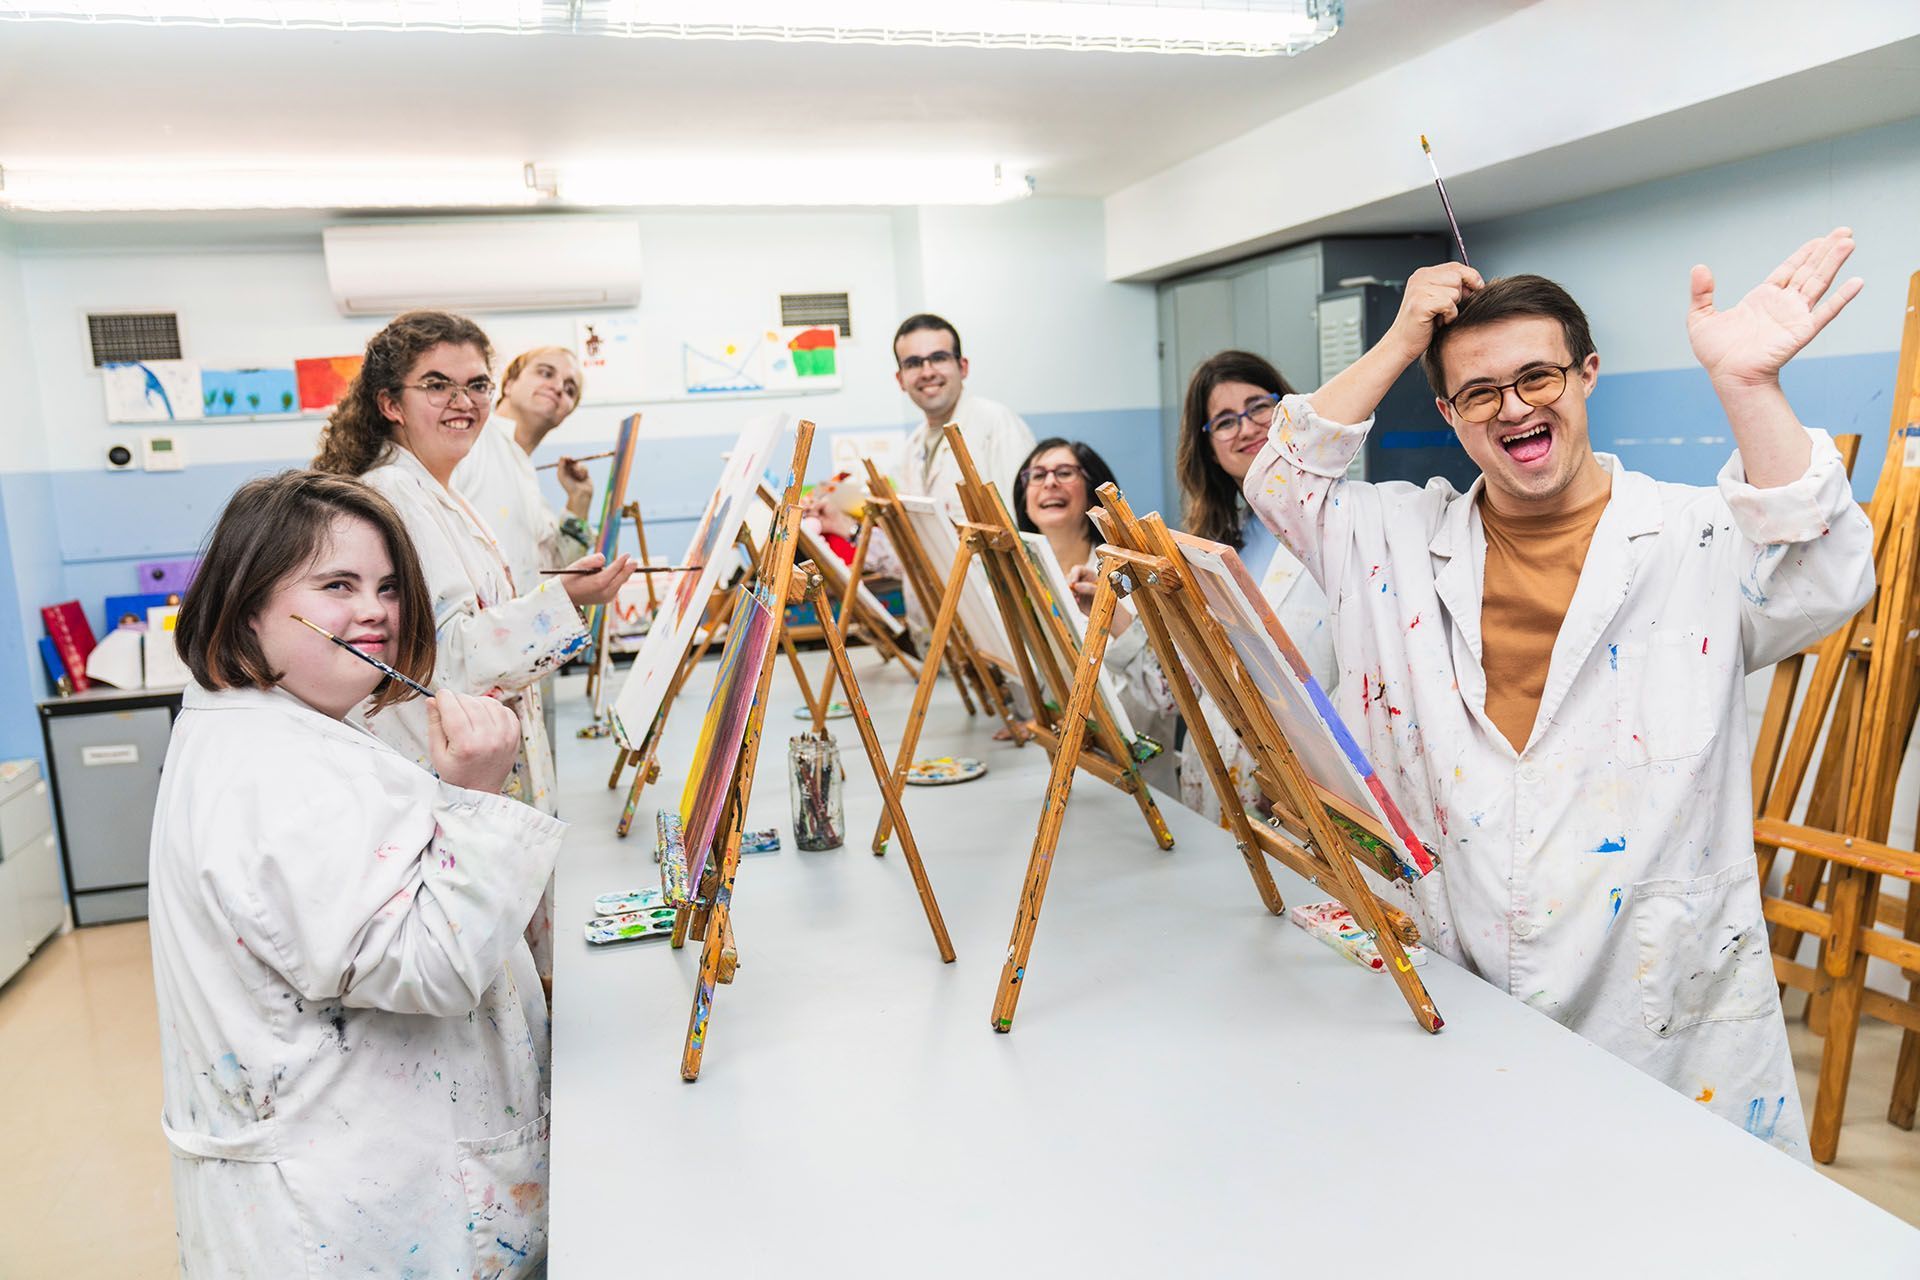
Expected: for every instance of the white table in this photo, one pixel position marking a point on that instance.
(1192, 1086)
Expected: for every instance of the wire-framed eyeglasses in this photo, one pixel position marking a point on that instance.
(1258, 413)
(441, 391)
(1065, 473)
(913, 364)
(1537, 388)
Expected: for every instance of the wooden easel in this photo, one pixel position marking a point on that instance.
(603, 623)
(1865, 674)
(704, 911)
(1309, 834)
(1038, 637)
(964, 660)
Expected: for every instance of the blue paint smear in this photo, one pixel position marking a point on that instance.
(1611, 844)
(1613, 656)
(1354, 754)
(1757, 1122)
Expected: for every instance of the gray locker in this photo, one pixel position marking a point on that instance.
(104, 752)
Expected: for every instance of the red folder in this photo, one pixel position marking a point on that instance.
(67, 625)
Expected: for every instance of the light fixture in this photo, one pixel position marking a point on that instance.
(112, 186)
(116, 186)
(1248, 28)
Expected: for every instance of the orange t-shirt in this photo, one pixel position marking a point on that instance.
(1533, 565)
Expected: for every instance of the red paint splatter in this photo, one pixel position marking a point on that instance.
(1703, 644)
(1414, 623)
(1393, 710)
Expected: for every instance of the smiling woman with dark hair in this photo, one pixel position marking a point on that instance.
(1229, 408)
(1052, 494)
(421, 399)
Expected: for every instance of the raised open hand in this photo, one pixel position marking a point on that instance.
(1748, 343)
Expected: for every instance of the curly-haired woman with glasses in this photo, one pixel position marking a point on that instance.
(1229, 407)
(411, 415)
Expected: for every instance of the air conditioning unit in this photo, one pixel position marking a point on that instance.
(484, 264)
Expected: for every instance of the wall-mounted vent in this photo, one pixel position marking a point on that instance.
(119, 339)
(817, 308)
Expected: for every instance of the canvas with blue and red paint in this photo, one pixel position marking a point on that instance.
(1320, 739)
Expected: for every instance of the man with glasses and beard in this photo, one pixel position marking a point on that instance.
(1549, 669)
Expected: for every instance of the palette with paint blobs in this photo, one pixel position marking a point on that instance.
(943, 771)
(631, 926)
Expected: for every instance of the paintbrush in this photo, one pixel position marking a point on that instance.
(1444, 202)
(639, 568)
(548, 466)
(367, 658)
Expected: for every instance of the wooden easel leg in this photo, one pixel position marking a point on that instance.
(1059, 787)
(1844, 977)
(1148, 608)
(817, 710)
(621, 759)
(889, 788)
(923, 689)
(855, 568)
(1906, 1072)
(714, 945)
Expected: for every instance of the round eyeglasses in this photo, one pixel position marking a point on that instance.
(1536, 387)
(441, 391)
(1065, 473)
(1258, 413)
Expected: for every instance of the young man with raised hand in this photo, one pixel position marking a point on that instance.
(1548, 670)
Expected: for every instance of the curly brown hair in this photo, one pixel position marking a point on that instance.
(274, 527)
(1210, 497)
(358, 436)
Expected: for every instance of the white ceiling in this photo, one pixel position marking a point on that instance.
(1082, 124)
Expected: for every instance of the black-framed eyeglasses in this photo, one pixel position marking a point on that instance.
(1259, 413)
(440, 391)
(1536, 387)
(1065, 473)
(913, 364)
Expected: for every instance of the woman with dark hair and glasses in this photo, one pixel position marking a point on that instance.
(1052, 493)
(1229, 407)
(411, 415)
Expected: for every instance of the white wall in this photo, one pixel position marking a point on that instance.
(1024, 281)
(1625, 255)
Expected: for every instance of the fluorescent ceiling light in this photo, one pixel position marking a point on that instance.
(110, 186)
(1251, 28)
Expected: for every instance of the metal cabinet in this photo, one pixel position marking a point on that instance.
(1270, 305)
(32, 906)
(104, 753)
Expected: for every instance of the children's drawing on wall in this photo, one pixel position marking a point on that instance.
(248, 392)
(151, 390)
(323, 381)
(777, 361)
(609, 348)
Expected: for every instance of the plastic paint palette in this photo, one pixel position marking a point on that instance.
(944, 771)
(763, 841)
(617, 904)
(835, 711)
(631, 926)
(1334, 925)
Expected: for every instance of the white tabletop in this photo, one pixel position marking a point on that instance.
(1192, 1086)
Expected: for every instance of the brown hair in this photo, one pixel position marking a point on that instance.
(1210, 498)
(274, 527)
(518, 365)
(925, 320)
(358, 436)
(1507, 299)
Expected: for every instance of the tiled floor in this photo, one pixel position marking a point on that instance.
(85, 1181)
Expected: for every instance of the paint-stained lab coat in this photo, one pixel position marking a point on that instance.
(488, 639)
(1605, 875)
(498, 479)
(351, 1028)
(998, 438)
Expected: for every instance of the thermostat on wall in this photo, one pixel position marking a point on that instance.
(162, 453)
